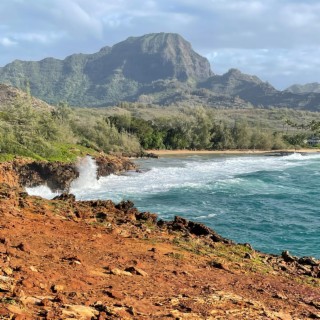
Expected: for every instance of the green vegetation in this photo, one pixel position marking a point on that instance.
(62, 133)
(198, 128)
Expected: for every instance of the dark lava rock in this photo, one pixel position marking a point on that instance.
(66, 197)
(147, 216)
(125, 206)
(287, 257)
(198, 229)
(310, 261)
(57, 175)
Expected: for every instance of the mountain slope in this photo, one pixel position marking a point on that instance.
(113, 74)
(158, 68)
(306, 88)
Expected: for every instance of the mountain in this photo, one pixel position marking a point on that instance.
(306, 88)
(236, 83)
(121, 72)
(251, 89)
(158, 68)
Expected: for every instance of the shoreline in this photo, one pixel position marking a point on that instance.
(55, 262)
(194, 152)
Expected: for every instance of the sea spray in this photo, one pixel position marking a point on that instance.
(42, 191)
(87, 179)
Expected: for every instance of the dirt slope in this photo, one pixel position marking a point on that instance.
(67, 259)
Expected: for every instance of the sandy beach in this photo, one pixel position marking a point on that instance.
(182, 152)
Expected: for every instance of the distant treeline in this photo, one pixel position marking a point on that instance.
(62, 133)
(198, 129)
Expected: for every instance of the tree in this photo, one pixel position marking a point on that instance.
(241, 135)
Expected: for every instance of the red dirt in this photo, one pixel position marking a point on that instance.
(63, 259)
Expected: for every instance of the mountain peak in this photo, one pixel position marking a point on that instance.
(233, 71)
(157, 56)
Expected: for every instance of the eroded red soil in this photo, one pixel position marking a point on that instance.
(63, 259)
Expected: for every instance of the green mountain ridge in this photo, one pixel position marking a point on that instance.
(313, 87)
(158, 68)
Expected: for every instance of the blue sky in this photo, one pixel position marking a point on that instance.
(277, 40)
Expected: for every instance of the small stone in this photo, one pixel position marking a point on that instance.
(59, 298)
(314, 315)
(80, 312)
(45, 302)
(216, 264)
(5, 241)
(57, 288)
(32, 268)
(24, 247)
(280, 296)
(8, 271)
(114, 294)
(119, 272)
(27, 283)
(248, 256)
(137, 271)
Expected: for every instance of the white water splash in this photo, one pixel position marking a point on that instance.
(42, 191)
(87, 179)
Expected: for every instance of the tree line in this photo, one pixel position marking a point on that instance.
(62, 132)
(197, 130)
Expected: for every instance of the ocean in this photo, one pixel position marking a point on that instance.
(271, 202)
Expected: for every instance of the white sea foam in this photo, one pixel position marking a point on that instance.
(42, 191)
(174, 173)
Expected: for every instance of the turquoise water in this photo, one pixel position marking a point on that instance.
(271, 202)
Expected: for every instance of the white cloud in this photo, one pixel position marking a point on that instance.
(42, 38)
(6, 42)
(281, 67)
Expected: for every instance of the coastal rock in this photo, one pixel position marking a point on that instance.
(113, 165)
(287, 257)
(183, 266)
(195, 228)
(56, 175)
(147, 216)
(125, 205)
(69, 197)
(310, 261)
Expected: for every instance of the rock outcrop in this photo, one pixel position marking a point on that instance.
(57, 175)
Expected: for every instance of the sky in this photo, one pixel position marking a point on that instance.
(277, 40)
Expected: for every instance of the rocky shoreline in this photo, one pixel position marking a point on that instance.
(58, 175)
(64, 259)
